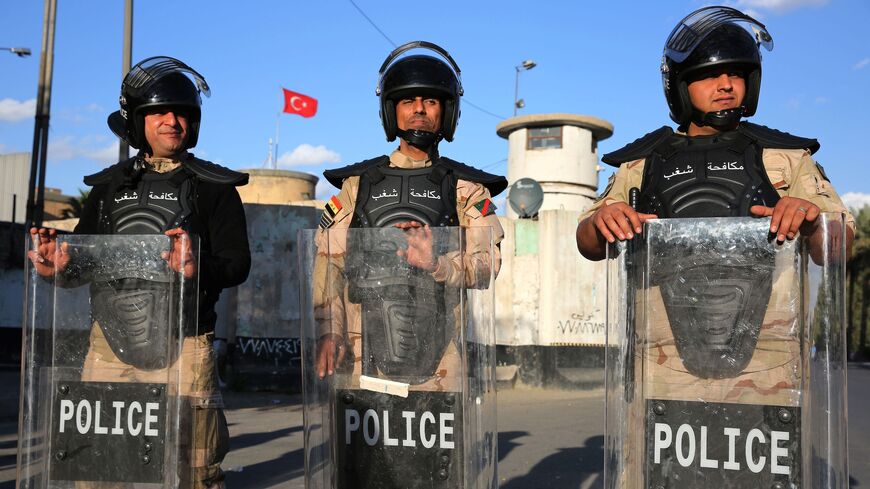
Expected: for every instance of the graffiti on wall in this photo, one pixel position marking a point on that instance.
(269, 349)
(583, 324)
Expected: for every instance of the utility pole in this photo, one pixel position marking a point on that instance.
(124, 148)
(36, 189)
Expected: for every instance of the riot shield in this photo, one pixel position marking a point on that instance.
(727, 357)
(109, 345)
(398, 361)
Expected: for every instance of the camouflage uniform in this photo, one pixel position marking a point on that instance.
(773, 375)
(336, 314)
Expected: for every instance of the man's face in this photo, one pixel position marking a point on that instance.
(718, 90)
(420, 113)
(166, 131)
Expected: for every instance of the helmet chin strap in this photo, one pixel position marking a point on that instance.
(423, 140)
(721, 120)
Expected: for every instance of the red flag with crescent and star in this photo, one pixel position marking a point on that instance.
(296, 103)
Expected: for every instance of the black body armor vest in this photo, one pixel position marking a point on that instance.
(390, 195)
(159, 202)
(716, 176)
(405, 323)
(715, 304)
(407, 317)
(137, 314)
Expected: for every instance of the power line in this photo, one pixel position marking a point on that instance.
(483, 110)
(373, 23)
(358, 9)
(490, 165)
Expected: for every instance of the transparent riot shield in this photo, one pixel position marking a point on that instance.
(398, 361)
(727, 357)
(109, 362)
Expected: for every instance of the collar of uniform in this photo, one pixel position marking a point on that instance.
(401, 160)
(165, 165)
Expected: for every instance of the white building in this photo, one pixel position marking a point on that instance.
(549, 299)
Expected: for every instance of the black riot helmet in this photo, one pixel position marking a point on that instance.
(419, 75)
(713, 38)
(159, 81)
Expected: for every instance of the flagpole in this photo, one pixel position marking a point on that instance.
(277, 134)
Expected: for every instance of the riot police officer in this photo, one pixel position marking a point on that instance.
(413, 189)
(164, 189)
(716, 164)
(709, 310)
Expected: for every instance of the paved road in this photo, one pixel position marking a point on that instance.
(547, 438)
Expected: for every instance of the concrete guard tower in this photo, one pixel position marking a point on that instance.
(550, 309)
(282, 187)
(560, 152)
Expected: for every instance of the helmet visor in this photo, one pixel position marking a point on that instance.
(147, 72)
(699, 24)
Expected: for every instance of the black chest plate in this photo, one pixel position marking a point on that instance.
(156, 204)
(391, 195)
(705, 177)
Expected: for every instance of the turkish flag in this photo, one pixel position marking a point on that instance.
(296, 103)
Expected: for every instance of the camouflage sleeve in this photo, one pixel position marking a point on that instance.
(628, 175)
(331, 243)
(483, 232)
(794, 173)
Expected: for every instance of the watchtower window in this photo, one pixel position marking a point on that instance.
(544, 137)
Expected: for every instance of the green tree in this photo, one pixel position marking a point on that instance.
(76, 205)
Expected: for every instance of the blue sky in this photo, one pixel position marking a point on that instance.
(594, 58)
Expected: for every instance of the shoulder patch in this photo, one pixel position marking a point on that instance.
(333, 206)
(608, 188)
(822, 171)
(486, 207)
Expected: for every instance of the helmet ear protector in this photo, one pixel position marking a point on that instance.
(419, 75)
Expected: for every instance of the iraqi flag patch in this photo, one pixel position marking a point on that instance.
(333, 206)
(486, 207)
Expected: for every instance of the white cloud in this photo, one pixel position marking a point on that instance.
(779, 5)
(107, 155)
(501, 205)
(324, 190)
(855, 200)
(12, 110)
(68, 148)
(861, 64)
(306, 154)
(822, 100)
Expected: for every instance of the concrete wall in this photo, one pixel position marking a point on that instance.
(261, 318)
(547, 294)
(267, 304)
(14, 179)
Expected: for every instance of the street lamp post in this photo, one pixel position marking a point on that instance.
(21, 52)
(518, 102)
(36, 188)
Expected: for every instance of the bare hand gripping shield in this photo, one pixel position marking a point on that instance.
(410, 400)
(727, 364)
